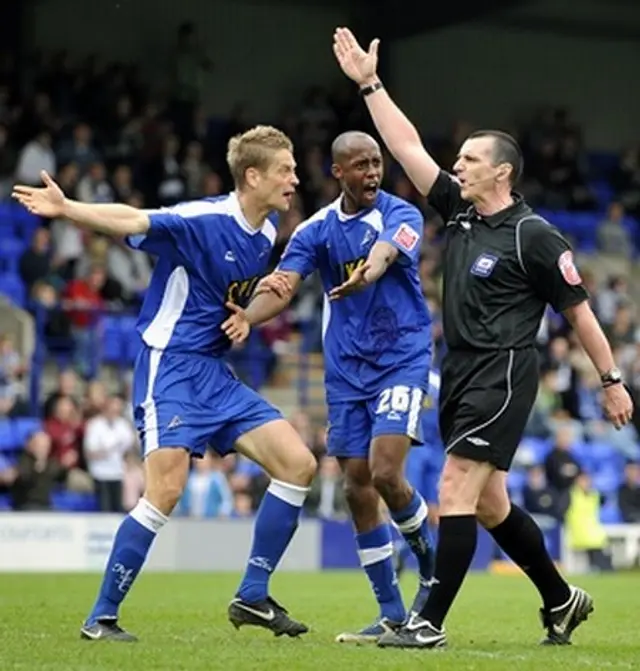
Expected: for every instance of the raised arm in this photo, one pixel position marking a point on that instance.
(111, 219)
(398, 133)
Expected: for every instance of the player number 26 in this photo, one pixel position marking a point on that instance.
(394, 399)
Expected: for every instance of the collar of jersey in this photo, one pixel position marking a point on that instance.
(343, 216)
(236, 212)
(495, 220)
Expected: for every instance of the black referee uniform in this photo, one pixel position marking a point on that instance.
(500, 272)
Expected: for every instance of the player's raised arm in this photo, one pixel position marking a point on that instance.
(111, 219)
(398, 133)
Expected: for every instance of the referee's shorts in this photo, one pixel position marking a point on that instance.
(485, 402)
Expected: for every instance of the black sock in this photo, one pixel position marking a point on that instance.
(457, 536)
(520, 537)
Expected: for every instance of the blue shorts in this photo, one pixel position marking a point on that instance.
(353, 425)
(193, 401)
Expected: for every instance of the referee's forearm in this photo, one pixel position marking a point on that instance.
(591, 336)
(393, 125)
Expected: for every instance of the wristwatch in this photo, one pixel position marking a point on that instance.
(611, 377)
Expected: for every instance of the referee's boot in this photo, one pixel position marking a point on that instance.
(268, 614)
(106, 629)
(560, 622)
(415, 633)
(370, 634)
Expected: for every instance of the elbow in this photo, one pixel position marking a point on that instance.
(576, 314)
(141, 224)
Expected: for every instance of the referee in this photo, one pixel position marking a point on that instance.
(503, 264)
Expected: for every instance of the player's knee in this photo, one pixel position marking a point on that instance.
(387, 479)
(164, 495)
(301, 468)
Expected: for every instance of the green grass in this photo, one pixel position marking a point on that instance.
(181, 620)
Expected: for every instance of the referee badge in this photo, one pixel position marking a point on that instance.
(483, 266)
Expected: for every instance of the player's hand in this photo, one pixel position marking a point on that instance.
(276, 282)
(356, 282)
(237, 326)
(47, 201)
(356, 63)
(617, 405)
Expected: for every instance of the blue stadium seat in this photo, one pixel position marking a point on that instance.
(12, 287)
(604, 455)
(24, 428)
(583, 454)
(603, 191)
(112, 343)
(74, 501)
(7, 436)
(11, 250)
(5, 502)
(610, 513)
(516, 480)
(25, 223)
(607, 481)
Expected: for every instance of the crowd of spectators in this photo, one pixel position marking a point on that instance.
(99, 130)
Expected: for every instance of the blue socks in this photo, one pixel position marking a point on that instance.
(375, 550)
(412, 524)
(275, 525)
(130, 548)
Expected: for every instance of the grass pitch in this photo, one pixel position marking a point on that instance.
(181, 620)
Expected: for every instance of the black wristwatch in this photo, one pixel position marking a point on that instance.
(611, 377)
(372, 88)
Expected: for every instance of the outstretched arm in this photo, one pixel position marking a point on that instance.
(112, 219)
(268, 301)
(398, 133)
(267, 304)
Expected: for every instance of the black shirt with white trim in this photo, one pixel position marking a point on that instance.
(500, 272)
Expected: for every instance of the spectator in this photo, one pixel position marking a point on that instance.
(64, 428)
(561, 467)
(613, 237)
(207, 493)
(629, 494)
(539, 498)
(36, 156)
(108, 436)
(585, 532)
(35, 262)
(37, 474)
(83, 302)
(326, 498)
(12, 369)
(68, 387)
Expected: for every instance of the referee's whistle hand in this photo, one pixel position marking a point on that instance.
(618, 405)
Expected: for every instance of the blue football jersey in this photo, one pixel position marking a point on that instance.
(208, 254)
(376, 334)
